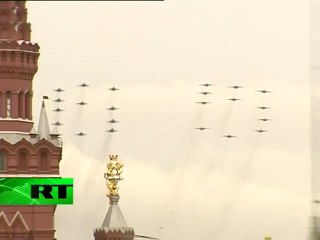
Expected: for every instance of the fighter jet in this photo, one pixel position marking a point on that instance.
(229, 136)
(203, 103)
(111, 130)
(57, 123)
(112, 121)
(206, 84)
(112, 108)
(264, 119)
(235, 87)
(201, 128)
(58, 110)
(234, 99)
(260, 131)
(58, 100)
(81, 134)
(141, 236)
(58, 90)
(82, 103)
(205, 93)
(83, 85)
(263, 107)
(264, 91)
(114, 89)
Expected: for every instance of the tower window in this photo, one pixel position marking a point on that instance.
(22, 165)
(44, 164)
(8, 101)
(2, 161)
(20, 104)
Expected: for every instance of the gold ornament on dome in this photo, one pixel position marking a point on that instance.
(113, 174)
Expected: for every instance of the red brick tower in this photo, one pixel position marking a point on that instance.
(23, 151)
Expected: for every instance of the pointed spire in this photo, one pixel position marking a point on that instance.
(114, 217)
(43, 127)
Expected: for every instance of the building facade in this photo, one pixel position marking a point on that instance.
(24, 152)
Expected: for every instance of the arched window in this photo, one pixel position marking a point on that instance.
(20, 105)
(22, 164)
(3, 163)
(44, 163)
(27, 106)
(8, 103)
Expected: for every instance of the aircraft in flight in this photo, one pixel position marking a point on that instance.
(82, 103)
(260, 131)
(201, 128)
(264, 119)
(58, 110)
(206, 84)
(235, 86)
(263, 107)
(111, 130)
(58, 90)
(57, 123)
(141, 236)
(113, 89)
(112, 108)
(83, 85)
(205, 93)
(203, 103)
(229, 136)
(81, 134)
(264, 91)
(112, 121)
(58, 100)
(234, 99)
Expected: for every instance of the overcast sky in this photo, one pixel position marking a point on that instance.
(181, 183)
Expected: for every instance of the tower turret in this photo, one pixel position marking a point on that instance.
(18, 65)
(24, 152)
(114, 225)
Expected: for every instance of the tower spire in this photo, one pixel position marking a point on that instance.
(114, 224)
(43, 127)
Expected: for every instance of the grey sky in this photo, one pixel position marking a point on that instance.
(193, 184)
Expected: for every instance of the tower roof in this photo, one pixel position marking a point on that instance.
(43, 127)
(114, 217)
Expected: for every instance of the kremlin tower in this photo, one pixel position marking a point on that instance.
(24, 152)
(114, 226)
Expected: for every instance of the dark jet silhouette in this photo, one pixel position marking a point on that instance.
(82, 103)
(205, 93)
(206, 84)
(58, 110)
(58, 90)
(203, 103)
(111, 130)
(264, 119)
(264, 91)
(81, 134)
(114, 89)
(229, 136)
(83, 85)
(112, 108)
(263, 107)
(57, 123)
(112, 121)
(260, 131)
(201, 128)
(234, 99)
(235, 87)
(58, 100)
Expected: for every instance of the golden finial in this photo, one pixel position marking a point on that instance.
(113, 174)
(267, 238)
